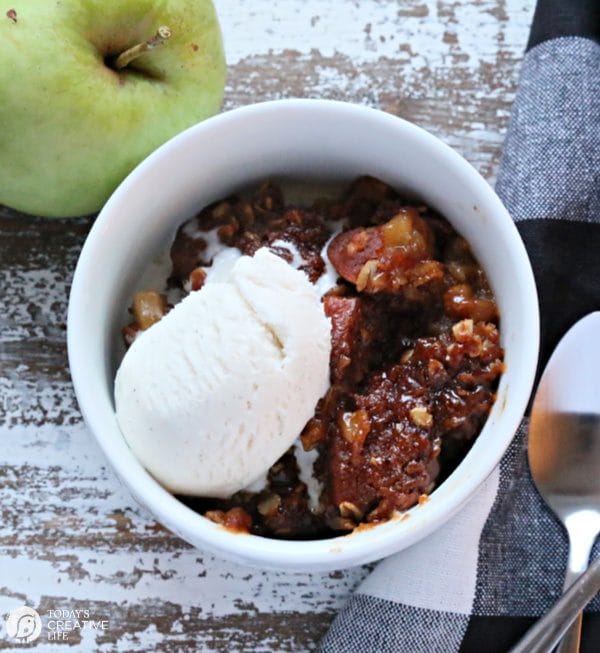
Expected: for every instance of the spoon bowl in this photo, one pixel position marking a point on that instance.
(564, 447)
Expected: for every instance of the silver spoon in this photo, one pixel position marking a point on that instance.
(547, 631)
(564, 447)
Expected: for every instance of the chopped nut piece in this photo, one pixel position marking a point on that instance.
(463, 330)
(399, 230)
(270, 505)
(462, 272)
(148, 307)
(293, 216)
(228, 230)
(236, 519)
(221, 210)
(344, 361)
(366, 273)
(197, 278)
(358, 242)
(355, 427)
(129, 333)
(406, 355)
(434, 367)
(350, 511)
(414, 468)
(461, 302)
(421, 416)
(474, 347)
(313, 433)
(380, 512)
(246, 214)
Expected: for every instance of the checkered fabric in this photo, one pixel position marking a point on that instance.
(478, 583)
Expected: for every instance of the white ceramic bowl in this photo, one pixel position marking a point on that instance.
(309, 140)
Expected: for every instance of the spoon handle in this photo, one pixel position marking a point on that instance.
(583, 532)
(545, 633)
(571, 639)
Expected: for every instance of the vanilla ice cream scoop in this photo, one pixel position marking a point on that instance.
(213, 394)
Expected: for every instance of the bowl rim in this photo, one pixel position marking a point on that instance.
(363, 545)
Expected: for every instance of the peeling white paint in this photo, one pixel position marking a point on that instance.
(368, 31)
(82, 503)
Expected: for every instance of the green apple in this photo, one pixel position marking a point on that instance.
(88, 88)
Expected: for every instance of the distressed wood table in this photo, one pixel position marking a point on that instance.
(71, 538)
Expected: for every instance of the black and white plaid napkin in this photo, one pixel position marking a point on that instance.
(479, 582)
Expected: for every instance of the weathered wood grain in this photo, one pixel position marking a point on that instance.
(70, 536)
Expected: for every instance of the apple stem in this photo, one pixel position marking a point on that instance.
(163, 33)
